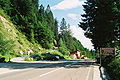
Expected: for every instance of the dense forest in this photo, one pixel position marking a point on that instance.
(101, 23)
(39, 28)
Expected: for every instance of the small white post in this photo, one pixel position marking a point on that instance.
(100, 58)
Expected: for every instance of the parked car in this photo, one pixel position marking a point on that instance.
(53, 57)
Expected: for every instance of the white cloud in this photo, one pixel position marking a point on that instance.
(74, 16)
(67, 4)
(78, 33)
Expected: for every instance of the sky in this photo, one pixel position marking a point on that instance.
(71, 10)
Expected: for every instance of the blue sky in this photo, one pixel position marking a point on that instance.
(71, 10)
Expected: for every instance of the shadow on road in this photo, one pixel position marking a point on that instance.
(47, 64)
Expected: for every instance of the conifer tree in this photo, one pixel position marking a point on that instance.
(99, 22)
(6, 6)
(63, 24)
(56, 29)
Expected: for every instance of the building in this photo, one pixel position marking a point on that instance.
(75, 54)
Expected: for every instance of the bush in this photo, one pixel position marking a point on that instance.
(112, 66)
(37, 57)
(6, 47)
(28, 59)
(58, 54)
(106, 59)
(2, 59)
(64, 51)
(2, 13)
(113, 69)
(46, 55)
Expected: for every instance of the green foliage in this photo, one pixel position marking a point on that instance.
(45, 54)
(62, 48)
(28, 59)
(39, 27)
(27, 19)
(52, 52)
(101, 23)
(67, 43)
(6, 5)
(100, 20)
(65, 38)
(2, 13)
(6, 47)
(37, 57)
(63, 24)
(114, 69)
(56, 30)
(44, 36)
(9, 32)
(77, 45)
(50, 19)
(112, 64)
(57, 53)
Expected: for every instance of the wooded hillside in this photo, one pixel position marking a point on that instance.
(33, 28)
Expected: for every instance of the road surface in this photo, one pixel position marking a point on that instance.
(60, 70)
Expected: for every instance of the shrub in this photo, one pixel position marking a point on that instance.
(64, 51)
(106, 59)
(28, 59)
(58, 54)
(2, 13)
(2, 59)
(114, 69)
(6, 47)
(37, 56)
(112, 65)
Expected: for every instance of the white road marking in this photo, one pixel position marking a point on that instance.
(87, 78)
(52, 71)
(47, 73)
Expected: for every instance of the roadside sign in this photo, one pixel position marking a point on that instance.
(108, 51)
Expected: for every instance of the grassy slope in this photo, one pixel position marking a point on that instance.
(11, 33)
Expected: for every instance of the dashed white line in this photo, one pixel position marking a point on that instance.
(87, 78)
(47, 73)
(52, 71)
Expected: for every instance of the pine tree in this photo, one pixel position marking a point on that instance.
(49, 18)
(56, 29)
(63, 24)
(41, 14)
(99, 22)
(44, 35)
(66, 35)
(6, 6)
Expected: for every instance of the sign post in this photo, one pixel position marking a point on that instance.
(106, 51)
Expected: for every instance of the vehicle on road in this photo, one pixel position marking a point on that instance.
(53, 57)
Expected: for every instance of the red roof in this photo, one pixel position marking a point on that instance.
(74, 52)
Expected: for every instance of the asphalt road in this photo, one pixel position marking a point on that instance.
(61, 70)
